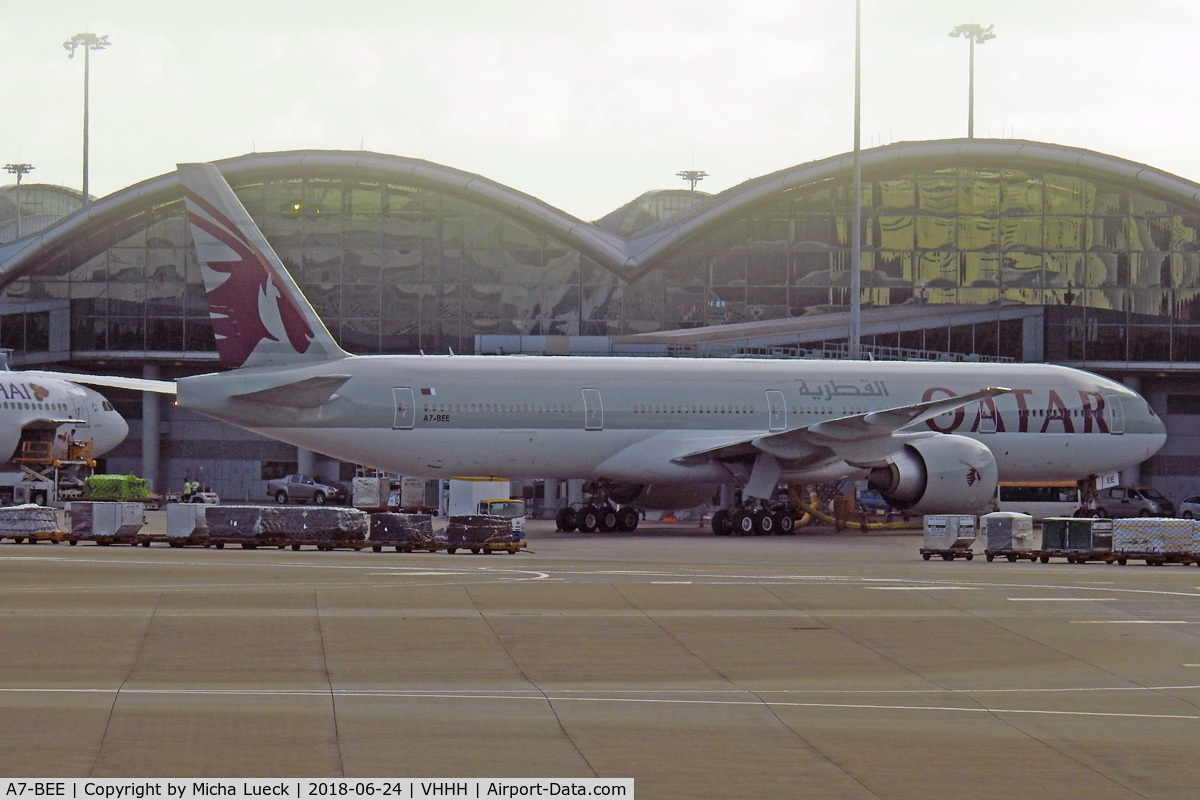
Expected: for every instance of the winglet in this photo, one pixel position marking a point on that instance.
(259, 316)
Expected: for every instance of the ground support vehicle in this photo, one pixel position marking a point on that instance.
(301, 489)
(1130, 501)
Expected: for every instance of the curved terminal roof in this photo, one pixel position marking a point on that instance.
(628, 256)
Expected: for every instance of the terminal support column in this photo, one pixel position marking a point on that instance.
(151, 425)
(1132, 476)
(306, 461)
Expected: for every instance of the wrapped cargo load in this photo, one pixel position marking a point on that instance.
(393, 528)
(477, 529)
(115, 487)
(1152, 535)
(233, 523)
(304, 525)
(1007, 533)
(28, 520)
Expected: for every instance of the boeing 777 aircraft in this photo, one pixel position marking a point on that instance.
(648, 431)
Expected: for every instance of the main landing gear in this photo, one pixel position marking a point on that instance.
(754, 521)
(597, 517)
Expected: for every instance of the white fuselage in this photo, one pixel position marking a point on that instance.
(635, 419)
(63, 411)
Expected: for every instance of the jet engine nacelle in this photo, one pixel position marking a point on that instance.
(665, 497)
(943, 474)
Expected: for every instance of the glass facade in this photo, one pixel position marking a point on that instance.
(402, 268)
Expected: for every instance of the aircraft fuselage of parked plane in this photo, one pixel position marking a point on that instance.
(931, 436)
(45, 417)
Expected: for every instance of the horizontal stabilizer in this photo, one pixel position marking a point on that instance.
(112, 381)
(307, 393)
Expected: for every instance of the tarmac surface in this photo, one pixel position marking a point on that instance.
(820, 665)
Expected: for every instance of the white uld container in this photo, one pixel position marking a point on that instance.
(105, 519)
(1008, 531)
(949, 531)
(186, 519)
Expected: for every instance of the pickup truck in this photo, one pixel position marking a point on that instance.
(301, 489)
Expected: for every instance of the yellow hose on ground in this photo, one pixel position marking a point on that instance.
(812, 512)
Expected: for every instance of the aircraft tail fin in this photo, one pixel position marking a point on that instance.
(259, 315)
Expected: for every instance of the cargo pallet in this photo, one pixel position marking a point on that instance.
(1080, 556)
(948, 555)
(104, 541)
(487, 548)
(54, 537)
(255, 544)
(1011, 555)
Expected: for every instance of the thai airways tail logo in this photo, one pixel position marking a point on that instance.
(40, 393)
(235, 306)
(974, 476)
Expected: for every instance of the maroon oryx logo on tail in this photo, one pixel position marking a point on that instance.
(233, 306)
(973, 474)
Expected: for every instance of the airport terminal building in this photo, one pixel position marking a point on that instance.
(972, 249)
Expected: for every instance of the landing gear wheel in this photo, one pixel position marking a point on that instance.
(627, 519)
(785, 523)
(587, 519)
(608, 520)
(722, 522)
(764, 523)
(743, 522)
(564, 520)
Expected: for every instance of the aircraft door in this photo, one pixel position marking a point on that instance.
(593, 410)
(776, 410)
(406, 409)
(1116, 413)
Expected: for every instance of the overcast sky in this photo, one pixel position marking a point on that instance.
(585, 104)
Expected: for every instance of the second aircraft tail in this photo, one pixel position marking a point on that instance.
(259, 316)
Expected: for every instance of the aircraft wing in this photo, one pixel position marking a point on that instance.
(113, 381)
(857, 439)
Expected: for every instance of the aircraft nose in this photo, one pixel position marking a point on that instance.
(115, 431)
